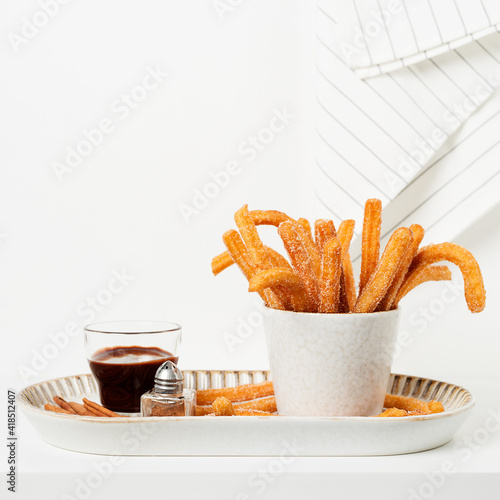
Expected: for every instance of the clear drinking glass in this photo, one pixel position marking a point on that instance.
(124, 356)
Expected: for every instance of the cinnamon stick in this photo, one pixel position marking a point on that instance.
(90, 405)
(64, 404)
(56, 409)
(80, 409)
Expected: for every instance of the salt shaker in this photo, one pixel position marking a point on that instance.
(168, 398)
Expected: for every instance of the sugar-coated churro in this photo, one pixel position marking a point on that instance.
(324, 229)
(348, 285)
(407, 404)
(370, 244)
(281, 276)
(421, 275)
(269, 217)
(388, 302)
(250, 236)
(331, 272)
(393, 412)
(475, 294)
(384, 272)
(253, 413)
(267, 404)
(241, 257)
(235, 394)
(388, 279)
(222, 407)
(300, 258)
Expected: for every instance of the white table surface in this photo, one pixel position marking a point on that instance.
(46, 472)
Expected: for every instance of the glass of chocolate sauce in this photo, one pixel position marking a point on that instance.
(124, 356)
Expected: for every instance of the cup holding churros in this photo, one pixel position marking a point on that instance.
(330, 342)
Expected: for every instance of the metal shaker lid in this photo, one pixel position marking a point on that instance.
(169, 379)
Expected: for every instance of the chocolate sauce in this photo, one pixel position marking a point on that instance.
(123, 374)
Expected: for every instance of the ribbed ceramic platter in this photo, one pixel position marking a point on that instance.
(233, 436)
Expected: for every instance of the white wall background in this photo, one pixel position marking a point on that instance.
(120, 208)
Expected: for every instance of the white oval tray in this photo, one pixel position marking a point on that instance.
(260, 436)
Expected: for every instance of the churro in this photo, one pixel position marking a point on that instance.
(300, 258)
(235, 394)
(330, 277)
(475, 294)
(348, 285)
(324, 229)
(269, 217)
(421, 275)
(281, 276)
(407, 404)
(384, 272)
(252, 413)
(370, 244)
(393, 412)
(388, 302)
(241, 257)
(383, 281)
(250, 236)
(222, 407)
(306, 226)
(277, 260)
(267, 404)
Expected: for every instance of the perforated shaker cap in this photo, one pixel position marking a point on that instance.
(169, 379)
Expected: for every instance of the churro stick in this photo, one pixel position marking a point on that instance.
(306, 226)
(281, 276)
(221, 262)
(252, 413)
(235, 394)
(388, 302)
(57, 409)
(435, 406)
(224, 260)
(324, 229)
(203, 410)
(393, 412)
(63, 404)
(421, 275)
(251, 238)
(241, 257)
(407, 404)
(385, 271)
(330, 277)
(277, 260)
(269, 217)
(348, 285)
(475, 294)
(223, 407)
(309, 245)
(98, 409)
(300, 259)
(370, 241)
(80, 409)
(263, 404)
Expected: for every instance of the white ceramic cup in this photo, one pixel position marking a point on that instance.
(330, 364)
